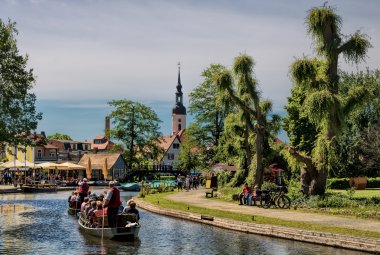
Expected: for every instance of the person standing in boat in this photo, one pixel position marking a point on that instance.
(113, 202)
(83, 189)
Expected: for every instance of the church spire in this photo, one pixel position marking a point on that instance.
(179, 94)
(178, 107)
(179, 111)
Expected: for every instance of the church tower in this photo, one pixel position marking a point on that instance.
(179, 111)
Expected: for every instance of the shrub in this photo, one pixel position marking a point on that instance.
(343, 183)
(338, 183)
(167, 177)
(268, 186)
(373, 182)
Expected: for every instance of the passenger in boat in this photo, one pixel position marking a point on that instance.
(84, 204)
(75, 200)
(101, 197)
(132, 209)
(69, 199)
(99, 210)
(112, 201)
(91, 213)
(83, 189)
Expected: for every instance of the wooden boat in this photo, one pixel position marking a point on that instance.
(37, 188)
(73, 211)
(128, 231)
(131, 186)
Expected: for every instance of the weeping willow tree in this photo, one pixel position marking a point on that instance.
(324, 106)
(240, 88)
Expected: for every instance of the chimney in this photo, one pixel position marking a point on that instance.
(107, 128)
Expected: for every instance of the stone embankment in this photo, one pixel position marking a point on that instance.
(337, 240)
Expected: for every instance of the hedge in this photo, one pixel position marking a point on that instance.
(343, 183)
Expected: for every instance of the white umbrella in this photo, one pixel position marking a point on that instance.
(47, 165)
(17, 164)
(70, 166)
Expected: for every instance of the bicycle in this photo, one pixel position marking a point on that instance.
(277, 198)
(282, 200)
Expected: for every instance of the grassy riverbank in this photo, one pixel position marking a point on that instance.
(160, 199)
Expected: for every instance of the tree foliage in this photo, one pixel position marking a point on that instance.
(18, 114)
(208, 111)
(59, 136)
(137, 126)
(240, 88)
(191, 157)
(318, 102)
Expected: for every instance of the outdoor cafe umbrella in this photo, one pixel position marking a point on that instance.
(70, 166)
(47, 165)
(88, 168)
(17, 164)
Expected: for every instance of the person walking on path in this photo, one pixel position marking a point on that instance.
(113, 202)
(179, 182)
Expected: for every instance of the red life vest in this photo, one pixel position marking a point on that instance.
(115, 199)
(84, 187)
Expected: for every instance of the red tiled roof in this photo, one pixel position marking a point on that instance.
(166, 141)
(50, 146)
(100, 137)
(102, 146)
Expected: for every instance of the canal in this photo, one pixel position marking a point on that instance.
(39, 224)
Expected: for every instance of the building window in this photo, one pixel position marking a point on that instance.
(179, 120)
(170, 156)
(39, 154)
(175, 145)
(179, 127)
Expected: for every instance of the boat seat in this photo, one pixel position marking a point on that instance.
(99, 221)
(125, 218)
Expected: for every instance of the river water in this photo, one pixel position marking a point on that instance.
(39, 224)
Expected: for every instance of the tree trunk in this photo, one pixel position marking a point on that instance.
(305, 181)
(259, 157)
(318, 182)
(313, 180)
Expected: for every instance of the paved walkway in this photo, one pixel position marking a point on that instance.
(197, 198)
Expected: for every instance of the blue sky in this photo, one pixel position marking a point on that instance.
(86, 53)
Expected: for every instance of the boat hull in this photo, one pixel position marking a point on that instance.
(72, 211)
(128, 233)
(37, 189)
(130, 186)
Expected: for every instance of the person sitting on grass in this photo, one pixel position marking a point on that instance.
(243, 195)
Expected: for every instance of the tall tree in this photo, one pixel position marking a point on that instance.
(59, 136)
(18, 114)
(207, 110)
(191, 157)
(137, 126)
(243, 92)
(323, 104)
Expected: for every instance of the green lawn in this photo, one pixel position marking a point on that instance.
(368, 193)
(160, 199)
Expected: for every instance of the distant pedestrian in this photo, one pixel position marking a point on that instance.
(179, 182)
(187, 183)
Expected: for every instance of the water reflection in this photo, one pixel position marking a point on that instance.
(39, 224)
